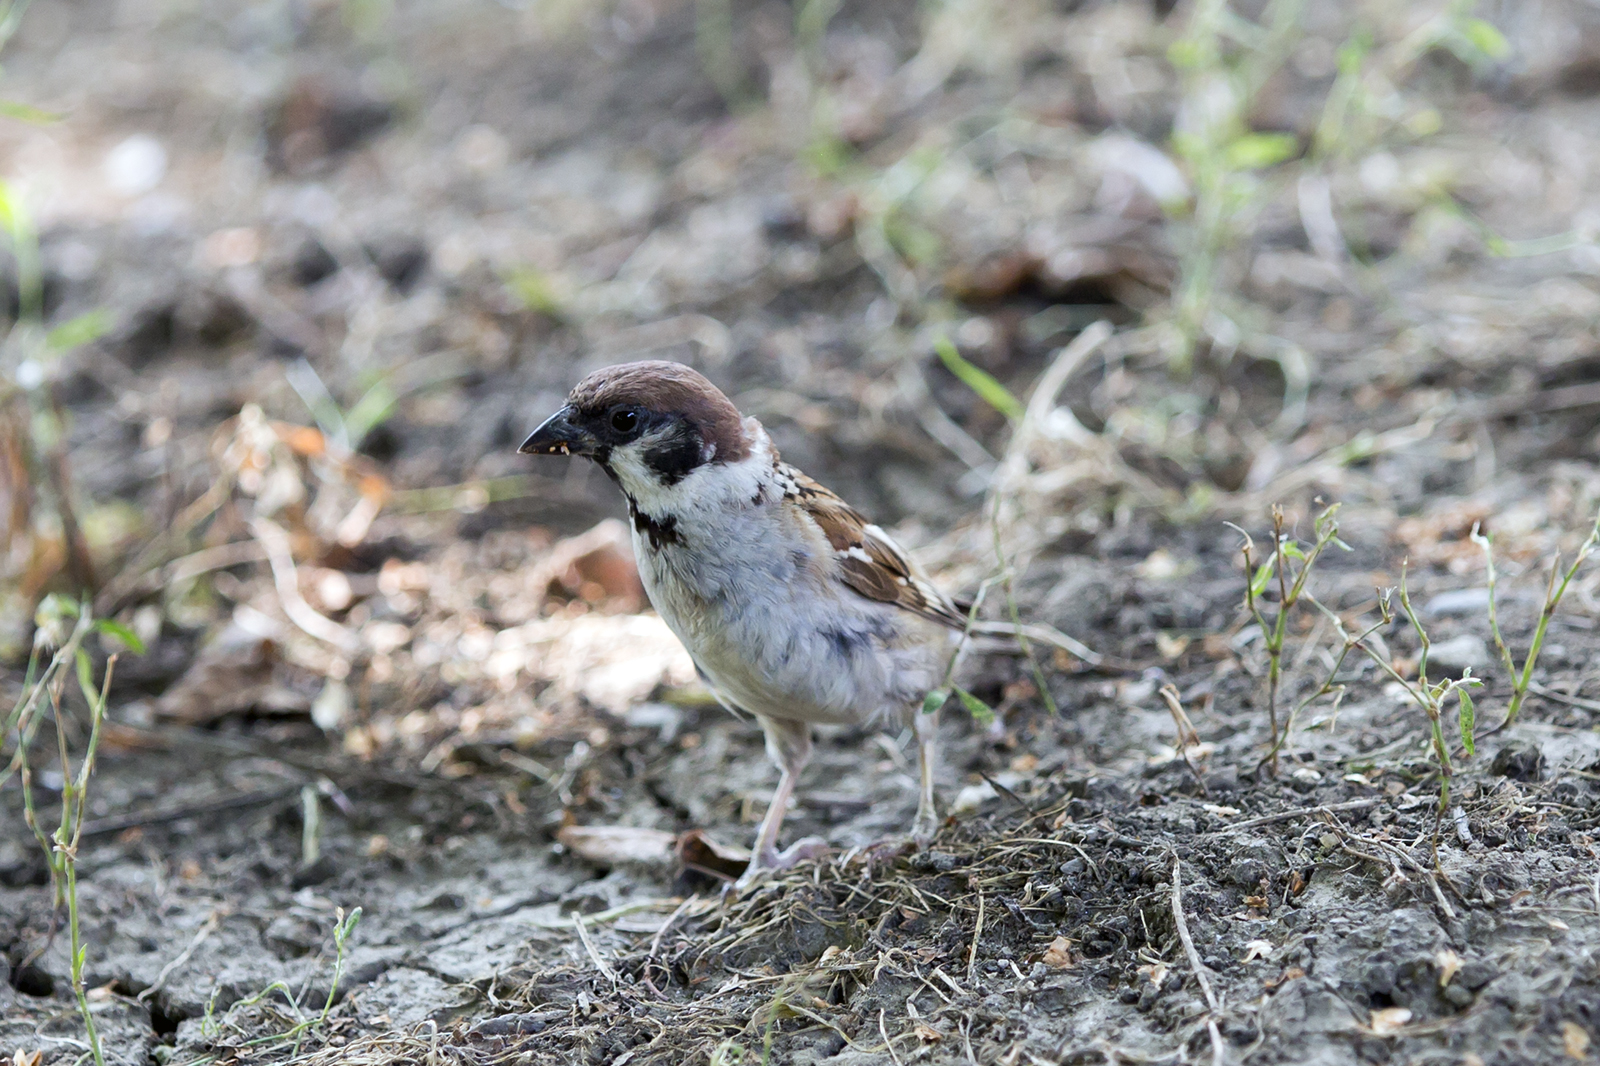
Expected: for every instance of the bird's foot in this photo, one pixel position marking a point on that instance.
(901, 845)
(773, 861)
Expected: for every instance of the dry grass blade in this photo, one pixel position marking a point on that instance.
(1186, 733)
(275, 542)
(594, 956)
(1182, 925)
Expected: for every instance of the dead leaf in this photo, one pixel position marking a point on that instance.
(610, 844)
(26, 1058)
(1156, 972)
(1390, 1020)
(1449, 964)
(232, 674)
(1576, 1040)
(926, 1033)
(1292, 973)
(595, 566)
(698, 851)
(1258, 949)
(1171, 647)
(1058, 954)
(1557, 923)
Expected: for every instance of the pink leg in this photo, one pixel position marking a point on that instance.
(789, 747)
(926, 825)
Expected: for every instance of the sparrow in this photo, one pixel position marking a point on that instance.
(795, 608)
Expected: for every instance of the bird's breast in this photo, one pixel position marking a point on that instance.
(774, 633)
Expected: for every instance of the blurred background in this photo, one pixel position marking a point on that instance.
(288, 281)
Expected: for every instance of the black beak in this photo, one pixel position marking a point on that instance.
(559, 436)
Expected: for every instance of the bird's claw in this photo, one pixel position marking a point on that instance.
(773, 861)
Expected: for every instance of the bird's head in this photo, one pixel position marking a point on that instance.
(649, 425)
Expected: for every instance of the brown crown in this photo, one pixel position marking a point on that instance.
(667, 388)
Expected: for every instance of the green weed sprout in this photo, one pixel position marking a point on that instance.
(1431, 696)
(1289, 566)
(1522, 679)
(1222, 153)
(69, 624)
(343, 929)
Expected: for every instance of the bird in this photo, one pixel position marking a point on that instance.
(795, 608)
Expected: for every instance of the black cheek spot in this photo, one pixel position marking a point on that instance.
(799, 558)
(676, 455)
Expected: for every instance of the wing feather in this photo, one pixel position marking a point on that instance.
(869, 560)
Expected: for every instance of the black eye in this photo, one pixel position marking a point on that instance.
(624, 421)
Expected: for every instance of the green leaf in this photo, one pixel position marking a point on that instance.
(978, 380)
(122, 633)
(981, 712)
(53, 608)
(79, 331)
(536, 290)
(1469, 721)
(86, 677)
(1256, 151)
(1353, 53)
(370, 412)
(934, 700)
(28, 113)
(1485, 38)
(1263, 575)
(1293, 551)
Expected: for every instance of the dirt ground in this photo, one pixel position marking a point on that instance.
(349, 251)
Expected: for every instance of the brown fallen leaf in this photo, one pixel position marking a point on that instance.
(1059, 954)
(698, 851)
(1156, 972)
(232, 674)
(26, 1058)
(1292, 973)
(927, 1033)
(596, 566)
(1576, 1040)
(608, 845)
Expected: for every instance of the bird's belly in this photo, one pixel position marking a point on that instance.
(775, 649)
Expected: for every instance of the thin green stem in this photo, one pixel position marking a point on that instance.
(1552, 600)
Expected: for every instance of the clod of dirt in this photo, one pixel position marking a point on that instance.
(1468, 651)
(1519, 760)
(318, 118)
(400, 258)
(311, 263)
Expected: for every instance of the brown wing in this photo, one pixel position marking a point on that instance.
(870, 562)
